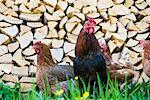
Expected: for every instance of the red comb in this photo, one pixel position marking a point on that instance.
(38, 43)
(90, 19)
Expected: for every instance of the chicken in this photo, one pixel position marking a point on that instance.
(111, 65)
(48, 70)
(146, 60)
(89, 61)
(115, 69)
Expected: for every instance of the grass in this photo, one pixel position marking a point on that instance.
(112, 92)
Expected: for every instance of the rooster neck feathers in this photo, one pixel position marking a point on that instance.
(86, 41)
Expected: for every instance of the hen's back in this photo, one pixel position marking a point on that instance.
(61, 72)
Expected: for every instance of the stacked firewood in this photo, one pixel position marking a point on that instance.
(122, 23)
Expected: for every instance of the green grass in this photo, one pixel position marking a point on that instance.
(112, 92)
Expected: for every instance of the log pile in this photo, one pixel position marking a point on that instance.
(22, 22)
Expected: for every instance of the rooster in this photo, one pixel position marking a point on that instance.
(48, 71)
(89, 61)
(146, 60)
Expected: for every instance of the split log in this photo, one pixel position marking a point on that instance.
(131, 33)
(71, 10)
(118, 10)
(24, 29)
(63, 21)
(52, 24)
(61, 34)
(129, 3)
(4, 24)
(32, 69)
(132, 43)
(70, 26)
(27, 80)
(10, 12)
(13, 46)
(51, 17)
(41, 33)
(71, 38)
(13, 20)
(33, 4)
(19, 59)
(68, 47)
(142, 5)
(40, 9)
(3, 8)
(142, 36)
(25, 39)
(52, 34)
(77, 30)
(50, 2)
(24, 9)
(57, 54)
(6, 58)
(10, 78)
(20, 1)
(34, 24)
(78, 4)
(3, 50)
(28, 51)
(103, 4)
(10, 31)
(30, 17)
(57, 43)
(20, 71)
(6, 68)
(62, 5)
(59, 13)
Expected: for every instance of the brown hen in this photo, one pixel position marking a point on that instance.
(48, 71)
(115, 69)
(146, 60)
(111, 65)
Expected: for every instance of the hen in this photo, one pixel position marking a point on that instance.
(48, 70)
(115, 69)
(89, 61)
(111, 65)
(146, 60)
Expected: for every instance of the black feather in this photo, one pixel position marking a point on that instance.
(87, 67)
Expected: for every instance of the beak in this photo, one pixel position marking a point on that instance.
(86, 18)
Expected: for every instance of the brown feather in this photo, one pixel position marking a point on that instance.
(48, 69)
(146, 59)
(86, 43)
